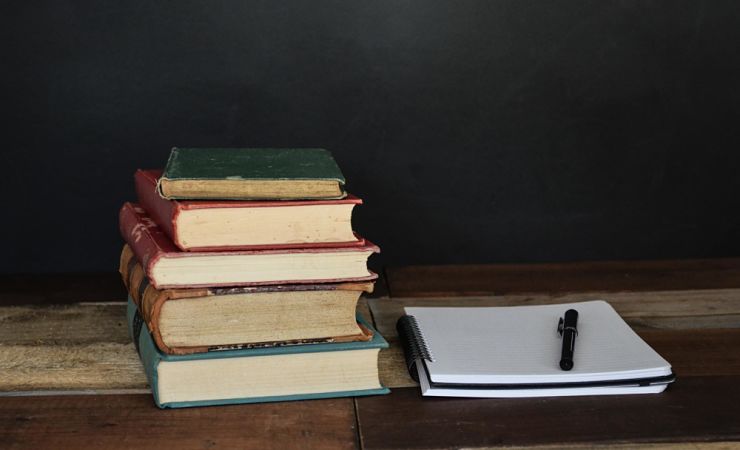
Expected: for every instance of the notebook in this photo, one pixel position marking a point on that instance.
(515, 352)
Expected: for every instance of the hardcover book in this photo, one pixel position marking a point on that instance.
(167, 266)
(222, 225)
(251, 174)
(255, 375)
(185, 321)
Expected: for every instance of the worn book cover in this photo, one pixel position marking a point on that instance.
(166, 266)
(251, 174)
(202, 225)
(297, 372)
(295, 314)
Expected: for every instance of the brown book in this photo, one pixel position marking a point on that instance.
(169, 267)
(185, 321)
(221, 225)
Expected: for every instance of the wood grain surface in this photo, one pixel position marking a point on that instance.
(133, 422)
(679, 324)
(694, 409)
(688, 310)
(610, 276)
(75, 348)
(79, 347)
(710, 308)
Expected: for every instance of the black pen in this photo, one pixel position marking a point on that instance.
(568, 331)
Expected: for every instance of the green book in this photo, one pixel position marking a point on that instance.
(268, 374)
(251, 174)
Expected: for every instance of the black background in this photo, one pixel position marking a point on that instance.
(475, 131)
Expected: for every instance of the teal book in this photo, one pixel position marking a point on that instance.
(251, 174)
(269, 374)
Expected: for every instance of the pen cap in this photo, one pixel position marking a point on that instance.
(570, 319)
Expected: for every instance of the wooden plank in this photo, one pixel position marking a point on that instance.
(651, 309)
(60, 288)
(456, 280)
(85, 347)
(392, 366)
(85, 323)
(696, 353)
(97, 367)
(77, 348)
(694, 409)
(682, 337)
(132, 421)
(726, 445)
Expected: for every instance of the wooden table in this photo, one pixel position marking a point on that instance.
(71, 379)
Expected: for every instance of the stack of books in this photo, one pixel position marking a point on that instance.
(244, 274)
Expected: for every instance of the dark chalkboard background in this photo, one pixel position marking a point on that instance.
(476, 131)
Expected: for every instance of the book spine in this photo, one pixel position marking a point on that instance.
(149, 300)
(130, 271)
(162, 211)
(125, 264)
(138, 236)
(144, 347)
(170, 161)
(415, 348)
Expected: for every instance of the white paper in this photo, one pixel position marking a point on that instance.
(520, 345)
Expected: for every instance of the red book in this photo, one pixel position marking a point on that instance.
(203, 225)
(167, 266)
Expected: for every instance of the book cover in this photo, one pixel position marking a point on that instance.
(151, 359)
(150, 245)
(150, 302)
(241, 167)
(165, 213)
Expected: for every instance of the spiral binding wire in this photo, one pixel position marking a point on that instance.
(417, 344)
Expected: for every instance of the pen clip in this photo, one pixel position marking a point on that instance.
(560, 327)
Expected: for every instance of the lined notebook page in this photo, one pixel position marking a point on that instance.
(520, 344)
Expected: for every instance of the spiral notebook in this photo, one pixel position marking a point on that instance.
(514, 351)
